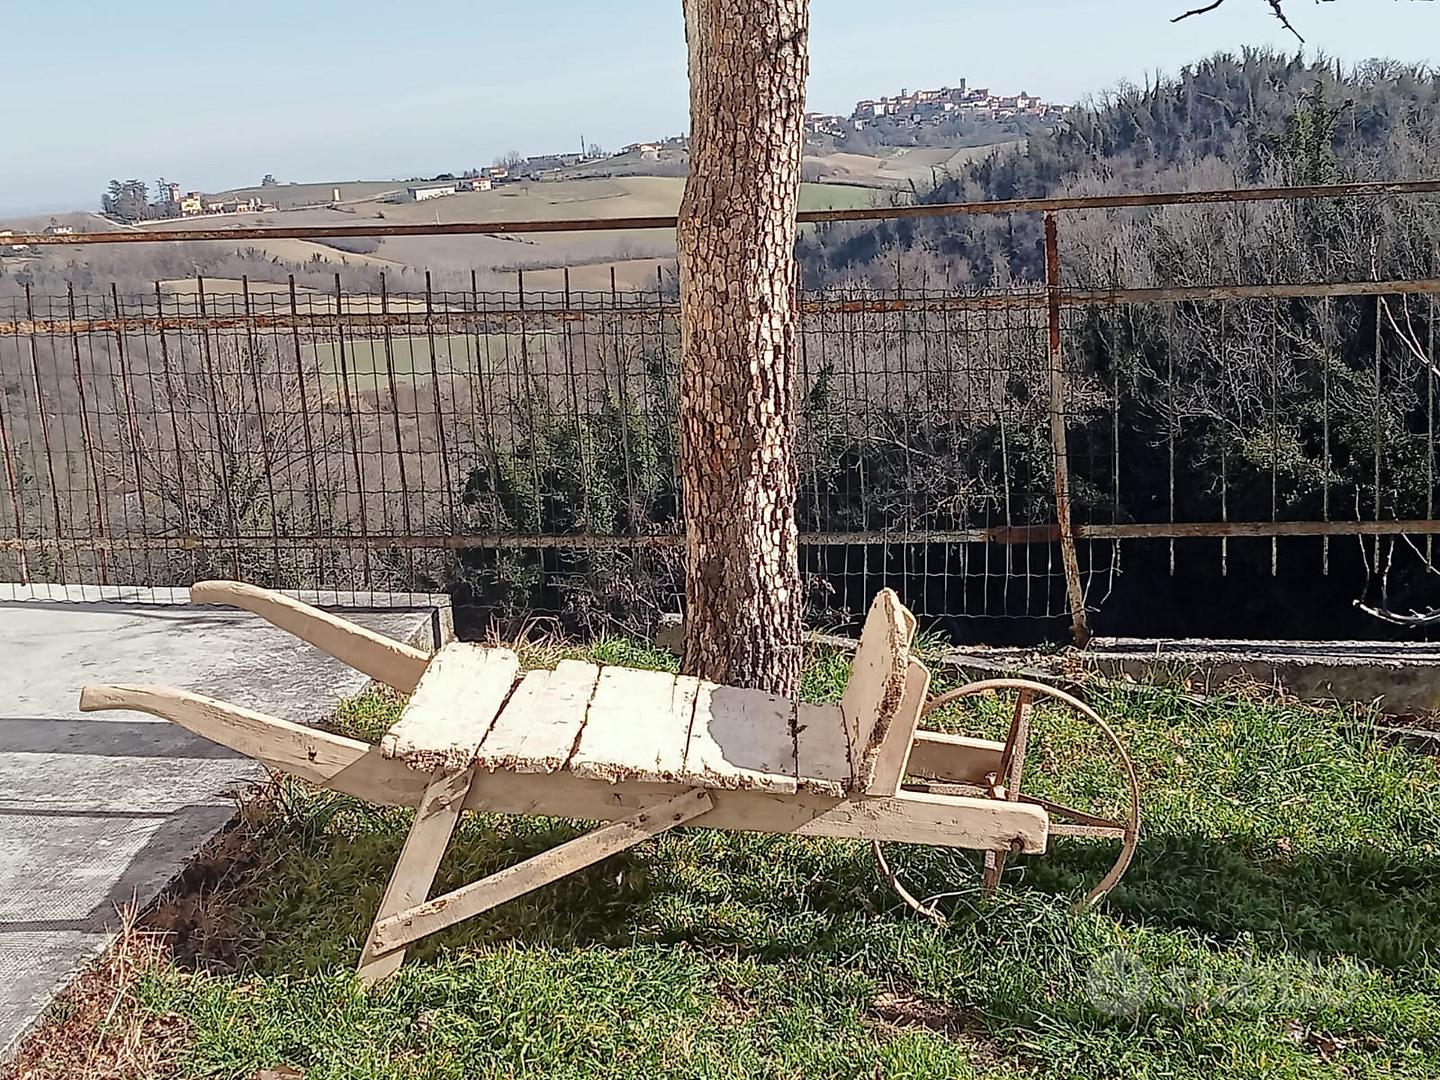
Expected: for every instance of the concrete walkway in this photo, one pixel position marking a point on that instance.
(101, 810)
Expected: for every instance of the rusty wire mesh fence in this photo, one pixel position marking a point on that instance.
(517, 449)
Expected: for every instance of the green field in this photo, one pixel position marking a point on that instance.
(409, 357)
(838, 196)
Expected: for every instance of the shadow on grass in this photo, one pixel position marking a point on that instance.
(310, 909)
(293, 889)
(304, 900)
(1356, 901)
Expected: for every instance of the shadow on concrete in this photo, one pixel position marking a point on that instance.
(199, 617)
(147, 871)
(105, 738)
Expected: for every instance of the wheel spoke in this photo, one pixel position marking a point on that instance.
(1017, 740)
(1084, 817)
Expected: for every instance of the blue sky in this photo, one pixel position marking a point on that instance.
(323, 90)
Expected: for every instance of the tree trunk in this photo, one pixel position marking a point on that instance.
(736, 240)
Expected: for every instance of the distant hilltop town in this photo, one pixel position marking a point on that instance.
(923, 115)
(922, 107)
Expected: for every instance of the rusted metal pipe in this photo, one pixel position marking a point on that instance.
(1060, 456)
(468, 319)
(1024, 534)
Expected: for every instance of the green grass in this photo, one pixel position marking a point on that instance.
(369, 365)
(837, 196)
(1282, 918)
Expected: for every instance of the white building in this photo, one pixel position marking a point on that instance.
(421, 192)
(7, 248)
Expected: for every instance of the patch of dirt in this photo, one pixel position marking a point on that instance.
(96, 1029)
(900, 1010)
(1426, 722)
(199, 912)
(735, 1006)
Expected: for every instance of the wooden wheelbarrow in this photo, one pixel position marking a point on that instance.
(644, 751)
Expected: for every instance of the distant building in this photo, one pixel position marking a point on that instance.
(56, 229)
(9, 249)
(824, 123)
(191, 203)
(475, 183)
(921, 107)
(421, 192)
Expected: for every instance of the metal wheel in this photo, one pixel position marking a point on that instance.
(1005, 783)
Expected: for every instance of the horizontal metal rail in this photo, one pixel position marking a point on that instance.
(138, 235)
(1011, 535)
(469, 318)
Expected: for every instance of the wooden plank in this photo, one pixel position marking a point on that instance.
(893, 753)
(956, 821)
(414, 871)
(631, 730)
(682, 704)
(741, 739)
(537, 729)
(452, 708)
(422, 920)
(822, 752)
(959, 759)
(361, 770)
(877, 681)
(383, 659)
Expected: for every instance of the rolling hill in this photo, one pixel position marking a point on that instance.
(624, 186)
(635, 253)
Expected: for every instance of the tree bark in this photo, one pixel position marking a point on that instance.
(736, 239)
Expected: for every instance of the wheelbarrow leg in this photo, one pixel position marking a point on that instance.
(414, 871)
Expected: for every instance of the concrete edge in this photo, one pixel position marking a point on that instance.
(1396, 686)
(349, 599)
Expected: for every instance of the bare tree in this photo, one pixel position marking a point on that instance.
(1277, 8)
(235, 458)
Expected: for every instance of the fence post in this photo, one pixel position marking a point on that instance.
(21, 557)
(1079, 622)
